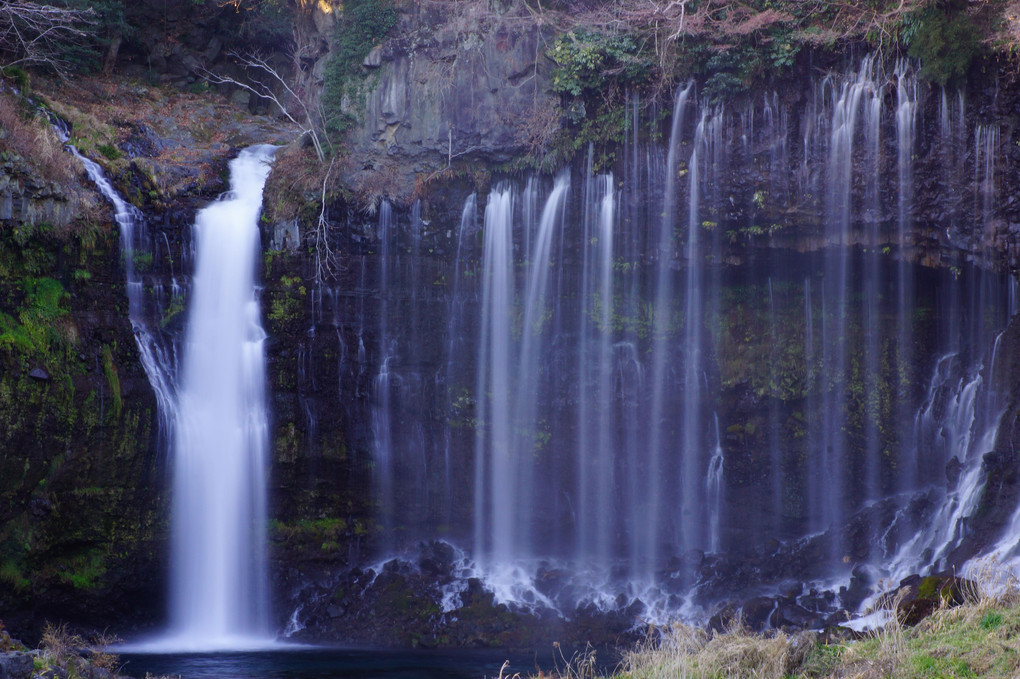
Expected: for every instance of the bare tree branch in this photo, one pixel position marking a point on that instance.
(326, 263)
(34, 34)
(266, 91)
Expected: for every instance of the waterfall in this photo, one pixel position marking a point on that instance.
(456, 341)
(646, 550)
(213, 414)
(955, 423)
(986, 146)
(526, 442)
(510, 377)
(219, 583)
(158, 360)
(595, 462)
(496, 504)
(906, 112)
(714, 490)
(828, 489)
(692, 502)
(873, 290)
(639, 373)
(384, 383)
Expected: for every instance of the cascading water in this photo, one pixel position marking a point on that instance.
(496, 520)
(647, 539)
(828, 497)
(986, 142)
(596, 468)
(906, 113)
(455, 341)
(692, 450)
(219, 584)
(637, 367)
(158, 360)
(954, 422)
(214, 417)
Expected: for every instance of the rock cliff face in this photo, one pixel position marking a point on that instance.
(458, 81)
(455, 81)
(31, 200)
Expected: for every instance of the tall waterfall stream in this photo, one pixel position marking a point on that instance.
(214, 412)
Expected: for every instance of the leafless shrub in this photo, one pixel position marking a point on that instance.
(534, 132)
(39, 35)
(265, 81)
(327, 265)
(60, 645)
(100, 655)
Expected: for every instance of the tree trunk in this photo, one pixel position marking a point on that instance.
(111, 54)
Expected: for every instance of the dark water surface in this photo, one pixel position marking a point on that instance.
(315, 663)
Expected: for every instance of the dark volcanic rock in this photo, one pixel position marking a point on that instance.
(917, 596)
(16, 665)
(789, 615)
(39, 374)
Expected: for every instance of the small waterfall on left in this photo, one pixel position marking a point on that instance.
(219, 592)
(157, 360)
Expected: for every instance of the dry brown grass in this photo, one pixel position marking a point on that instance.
(64, 650)
(685, 651)
(384, 180)
(27, 135)
(296, 183)
(100, 655)
(59, 645)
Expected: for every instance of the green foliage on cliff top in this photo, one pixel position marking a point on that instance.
(362, 26)
(589, 61)
(945, 43)
(594, 71)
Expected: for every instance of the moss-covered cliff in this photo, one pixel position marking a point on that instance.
(83, 510)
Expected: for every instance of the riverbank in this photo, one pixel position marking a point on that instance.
(977, 638)
(62, 654)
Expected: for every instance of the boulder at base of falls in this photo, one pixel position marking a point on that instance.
(918, 597)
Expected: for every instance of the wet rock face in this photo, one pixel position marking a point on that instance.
(82, 508)
(26, 198)
(16, 665)
(422, 599)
